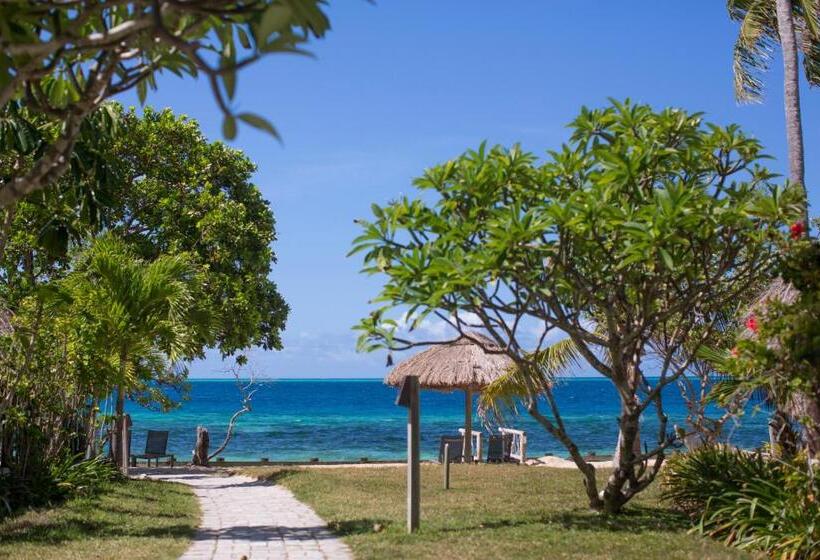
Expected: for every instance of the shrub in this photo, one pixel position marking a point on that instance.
(748, 500)
(71, 477)
(63, 479)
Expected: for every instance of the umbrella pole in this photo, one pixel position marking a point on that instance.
(468, 425)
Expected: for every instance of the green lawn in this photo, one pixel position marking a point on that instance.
(491, 511)
(134, 520)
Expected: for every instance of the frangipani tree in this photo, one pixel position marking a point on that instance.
(648, 221)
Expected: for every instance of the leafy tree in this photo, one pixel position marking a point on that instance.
(650, 222)
(64, 59)
(197, 197)
(795, 25)
(778, 348)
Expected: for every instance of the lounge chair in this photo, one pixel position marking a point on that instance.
(156, 448)
(498, 448)
(456, 448)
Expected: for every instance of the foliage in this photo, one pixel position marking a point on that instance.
(691, 479)
(73, 476)
(67, 477)
(196, 205)
(198, 198)
(133, 320)
(64, 59)
(650, 223)
(777, 351)
(748, 501)
(758, 36)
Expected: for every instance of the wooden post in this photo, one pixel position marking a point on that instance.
(446, 466)
(468, 425)
(409, 397)
(125, 441)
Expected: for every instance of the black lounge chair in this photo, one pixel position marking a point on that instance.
(498, 449)
(156, 448)
(456, 448)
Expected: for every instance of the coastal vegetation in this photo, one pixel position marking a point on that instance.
(491, 511)
(119, 274)
(649, 223)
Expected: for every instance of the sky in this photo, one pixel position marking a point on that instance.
(396, 87)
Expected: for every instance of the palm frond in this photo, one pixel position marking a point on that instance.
(754, 46)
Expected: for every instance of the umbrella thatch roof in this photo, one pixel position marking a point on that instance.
(778, 290)
(462, 364)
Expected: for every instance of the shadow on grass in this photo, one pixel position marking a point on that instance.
(632, 520)
(277, 476)
(358, 526)
(68, 530)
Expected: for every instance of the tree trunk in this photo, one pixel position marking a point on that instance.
(613, 496)
(116, 439)
(782, 439)
(791, 98)
(201, 449)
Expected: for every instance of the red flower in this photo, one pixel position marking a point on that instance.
(734, 352)
(796, 230)
(751, 323)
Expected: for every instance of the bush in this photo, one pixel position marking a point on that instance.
(71, 477)
(63, 479)
(748, 500)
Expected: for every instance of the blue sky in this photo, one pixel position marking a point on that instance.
(398, 86)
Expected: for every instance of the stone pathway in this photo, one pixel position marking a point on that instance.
(243, 518)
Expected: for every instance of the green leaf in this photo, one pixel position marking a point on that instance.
(229, 127)
(275, 18)
(229, 79)
(142, 91)
(667, 259)
(243, 38)
(260, 123)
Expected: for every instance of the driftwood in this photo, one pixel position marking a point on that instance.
(246, 392)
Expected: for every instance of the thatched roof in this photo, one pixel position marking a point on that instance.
(459, 365)
(778, 291)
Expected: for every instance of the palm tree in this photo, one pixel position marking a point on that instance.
(795, 25)
(141, 314)
(519, 384)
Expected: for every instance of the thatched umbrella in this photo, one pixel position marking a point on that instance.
(460, 365)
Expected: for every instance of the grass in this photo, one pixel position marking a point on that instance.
(135, 519)
(491, 511)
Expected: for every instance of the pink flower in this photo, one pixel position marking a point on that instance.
(734, 352)
(796, 230)
(751, 323)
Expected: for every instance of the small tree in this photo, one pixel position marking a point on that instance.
(134, 317)
(649, 222)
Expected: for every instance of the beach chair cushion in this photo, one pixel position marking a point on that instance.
(456, 448)
(156, 447)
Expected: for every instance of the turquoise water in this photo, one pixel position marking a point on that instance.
(295, 420)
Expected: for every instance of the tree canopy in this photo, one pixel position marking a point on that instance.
(64, 59)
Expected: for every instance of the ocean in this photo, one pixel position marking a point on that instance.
(348, 419)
